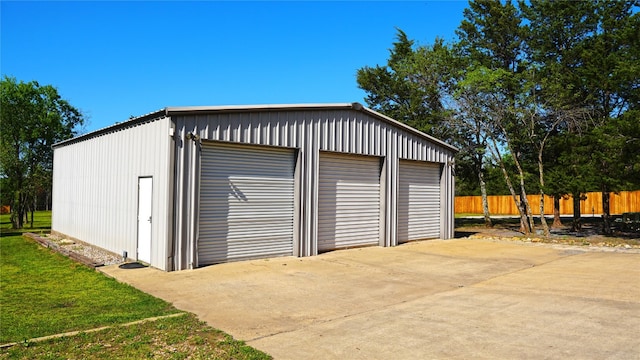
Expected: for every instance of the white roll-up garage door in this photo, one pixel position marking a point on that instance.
(418, 201)
(246, 203)
(348, 201)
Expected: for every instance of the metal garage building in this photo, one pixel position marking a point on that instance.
(191, 186)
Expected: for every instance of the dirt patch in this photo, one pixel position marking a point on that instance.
(589, 237)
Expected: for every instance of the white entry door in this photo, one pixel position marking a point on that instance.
(145, 191)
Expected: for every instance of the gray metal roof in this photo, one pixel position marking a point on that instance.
(186, 110)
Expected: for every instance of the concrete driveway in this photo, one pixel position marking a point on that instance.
(436, 299)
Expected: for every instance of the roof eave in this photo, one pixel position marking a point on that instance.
(190, 110)
(193, 110)
(114, 127)
(408, 128)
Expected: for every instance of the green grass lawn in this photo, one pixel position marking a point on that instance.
(45, 293)
(183, 337)
(41, 223)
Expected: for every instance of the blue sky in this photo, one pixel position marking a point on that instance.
(116, 59)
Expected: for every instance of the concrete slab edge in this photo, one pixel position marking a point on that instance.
(74, 333)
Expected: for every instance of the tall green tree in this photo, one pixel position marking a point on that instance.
(588, 56)
(417, 87)
(472, 138)
(491, 36)
(408, 87)
(612, 65)
(556, 34)
(530, 87)
(34, 117)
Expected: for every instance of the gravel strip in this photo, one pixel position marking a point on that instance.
(95, 253)
(556, 244)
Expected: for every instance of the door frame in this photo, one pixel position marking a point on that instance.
(144, 254)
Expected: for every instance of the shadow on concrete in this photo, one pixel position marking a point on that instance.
(463, 234)
(132, 265)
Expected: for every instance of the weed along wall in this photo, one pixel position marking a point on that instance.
(186, 187)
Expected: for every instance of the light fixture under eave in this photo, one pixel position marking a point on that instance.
(192, 136)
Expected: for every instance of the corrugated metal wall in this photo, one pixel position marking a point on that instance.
(95, 187)
(310, 131)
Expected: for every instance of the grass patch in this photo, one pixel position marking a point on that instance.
(171, 338)
(45, 293)
(41, 223)
(464, 215)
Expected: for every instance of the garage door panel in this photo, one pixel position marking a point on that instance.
(354, 230)
(266, 229)
(246, 203)
(349, 201)
(418, 201)
(355, 225)
(356, 218)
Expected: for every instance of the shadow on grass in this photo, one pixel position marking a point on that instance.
(591, 226)
(41, 224)
(6, 233)
(19, 232)
(498, 223)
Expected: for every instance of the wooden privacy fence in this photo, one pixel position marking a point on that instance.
(625, 201)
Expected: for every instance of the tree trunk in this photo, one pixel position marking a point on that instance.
(526, 208)
(524, 228)
(543, 221)
(524, 219)
(485, 202)
(33, 208)
(576, 225)
(17, 211)
(557, 223)
(606, 211)
(14, 218)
